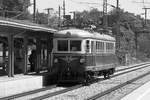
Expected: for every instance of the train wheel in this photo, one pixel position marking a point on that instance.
(87, 80)
(106, 75)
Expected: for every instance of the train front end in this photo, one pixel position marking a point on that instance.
(68, 59)
(69, 67)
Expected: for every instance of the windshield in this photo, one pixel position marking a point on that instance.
(62, 45)
(75, 45)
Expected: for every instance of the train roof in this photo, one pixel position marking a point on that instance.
(78, 33)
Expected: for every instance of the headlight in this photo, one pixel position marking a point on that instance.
(82, 60)
(55, 60)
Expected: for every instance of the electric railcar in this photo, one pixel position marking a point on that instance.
(78, 55)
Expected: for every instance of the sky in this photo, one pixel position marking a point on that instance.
(78, 5)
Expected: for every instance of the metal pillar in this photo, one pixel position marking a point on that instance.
(105, 13)
(25, 48)
(34, 10)
(10, 55)
(4, 55)
(38, 53)
(49, 52)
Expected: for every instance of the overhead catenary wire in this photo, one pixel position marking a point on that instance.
(85, 2)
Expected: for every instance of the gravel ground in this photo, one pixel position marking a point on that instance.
(120, 93)
(88, 91)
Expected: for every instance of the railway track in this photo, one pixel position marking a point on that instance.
(112, 89)
(66, 89)
(27, 93)
(129, 69)
(57, 92)
(134, 66)
(99, 95)
(143, 66)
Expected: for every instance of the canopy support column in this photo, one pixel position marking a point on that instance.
(25, 48)
(49, 52)
(10, 55)
(38, 53)
(4, 55)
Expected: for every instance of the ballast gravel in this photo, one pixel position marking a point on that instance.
(87, 91)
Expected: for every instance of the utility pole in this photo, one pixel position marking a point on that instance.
(143, 2)
(48, 14)
(34, 10)
(146, 14)
(145, 23)
(105, 13)
(59, 13)
(118, 52)
(64, 9)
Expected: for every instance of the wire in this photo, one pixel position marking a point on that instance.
(85, 2)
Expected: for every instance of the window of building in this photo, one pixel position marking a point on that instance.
(62, 45)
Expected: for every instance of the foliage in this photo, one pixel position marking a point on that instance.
(131, 26)
(15, 9)
(86, 18)
(42, 18)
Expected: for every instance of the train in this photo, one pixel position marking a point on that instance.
(79, 55)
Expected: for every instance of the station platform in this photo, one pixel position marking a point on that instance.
(19, 83)
(141, 93)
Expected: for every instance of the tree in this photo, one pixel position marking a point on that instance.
(86, 18)
(15, 8)
(41, 18)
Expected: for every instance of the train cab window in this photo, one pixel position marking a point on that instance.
(75, 45)
(62, 45)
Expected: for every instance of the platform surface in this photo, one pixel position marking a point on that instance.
(19, 83)
(141, 93)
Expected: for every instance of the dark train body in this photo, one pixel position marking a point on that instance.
(78, 55)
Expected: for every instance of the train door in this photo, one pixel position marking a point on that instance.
(44, 54)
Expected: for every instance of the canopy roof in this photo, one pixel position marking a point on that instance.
(21, 24)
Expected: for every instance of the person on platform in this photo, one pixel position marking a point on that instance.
(32, 60)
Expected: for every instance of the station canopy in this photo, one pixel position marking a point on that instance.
(14, 27)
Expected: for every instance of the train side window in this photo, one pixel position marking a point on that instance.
(62, 45)
(75, 45)
(99, 46)
(109, 47)
(87, 46)
(92, 47)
